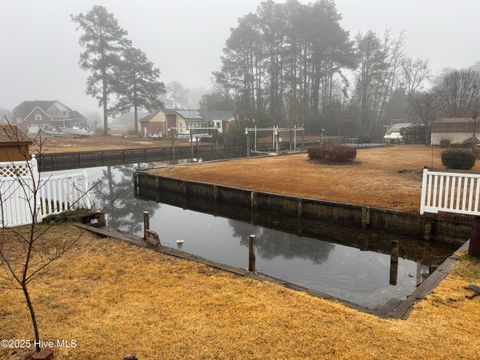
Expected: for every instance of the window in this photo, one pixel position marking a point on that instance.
(38, 117)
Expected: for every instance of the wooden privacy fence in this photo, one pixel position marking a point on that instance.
(450, 192)
(55, 193)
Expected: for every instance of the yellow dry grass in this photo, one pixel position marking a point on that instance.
(381, 177)
(116, 299)
(102, 143)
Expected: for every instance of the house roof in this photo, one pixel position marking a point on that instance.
(454, 125)
(10, 134)
(217, 115)
(189, 114)
(27, 106)
(186, 114)
(149, 116)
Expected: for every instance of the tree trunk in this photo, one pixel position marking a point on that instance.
(135, 116)
(105, 111)
(32, 315)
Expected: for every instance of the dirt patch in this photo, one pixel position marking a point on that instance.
(381, 177)
(116, 299)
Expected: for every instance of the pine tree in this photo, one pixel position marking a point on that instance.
(103, 41)
(138, 85)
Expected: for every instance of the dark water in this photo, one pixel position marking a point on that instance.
(341, 262)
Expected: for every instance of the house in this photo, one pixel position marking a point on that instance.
(14, 144)
(393, 135)
(38, 114)
(159, 123)
(220, 119)
(457, 130)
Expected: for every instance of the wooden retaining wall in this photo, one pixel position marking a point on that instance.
(450, 229)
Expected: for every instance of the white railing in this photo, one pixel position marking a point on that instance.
(58, 193)
(55, 193)
(450, 192)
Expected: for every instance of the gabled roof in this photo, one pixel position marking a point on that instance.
(27, 106)
(149, 116)
(10, 134)
(218, 115)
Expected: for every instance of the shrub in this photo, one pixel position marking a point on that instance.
(332, 153)
(445, 143)
(459, 159)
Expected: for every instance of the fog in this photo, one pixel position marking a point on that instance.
(40, 49)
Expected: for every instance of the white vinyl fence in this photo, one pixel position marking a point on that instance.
(450, 192)
(56, 193)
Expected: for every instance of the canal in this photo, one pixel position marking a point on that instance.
(344, 263)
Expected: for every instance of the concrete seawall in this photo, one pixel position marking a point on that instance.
(441, 228)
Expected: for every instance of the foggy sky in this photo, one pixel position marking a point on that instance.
(184, 38)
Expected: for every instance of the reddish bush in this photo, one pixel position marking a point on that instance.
(332, 153)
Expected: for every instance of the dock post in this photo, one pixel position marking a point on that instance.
(394, 262)
(290, 139)
(251, 252)
(303, 138)
(216, 143)
(146, 223)
(173, 144)
(191, 145)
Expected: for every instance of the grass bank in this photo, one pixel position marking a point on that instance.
(116, 299)
(381, 177)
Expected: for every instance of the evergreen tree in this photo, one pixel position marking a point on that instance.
(103, 41)
(138, 85)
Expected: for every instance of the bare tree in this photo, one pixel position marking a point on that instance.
(26, 252)
(426, 106)
(415, 73)
(459, 92)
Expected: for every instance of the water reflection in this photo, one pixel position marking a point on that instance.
(115, 191)
(271, 243)
(332, 259)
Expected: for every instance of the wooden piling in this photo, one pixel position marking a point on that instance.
(365, 220)
(394, 262)
(146, 223)
(191, 145)
(251, 252)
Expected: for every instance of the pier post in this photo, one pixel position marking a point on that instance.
(146, 223)
(173, 144)
(365, 221)
(394, 262)
(251, 252)
(191, 145)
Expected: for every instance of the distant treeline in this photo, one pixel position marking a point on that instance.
(293, 64)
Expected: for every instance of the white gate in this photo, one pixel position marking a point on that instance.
(55, 193)
(450, 192)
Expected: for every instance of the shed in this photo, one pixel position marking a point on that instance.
(14, 144)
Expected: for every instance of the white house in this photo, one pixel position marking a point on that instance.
(457, 130)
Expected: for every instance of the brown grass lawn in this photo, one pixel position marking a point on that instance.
(99, 143)
(383, 177)
(116, 299)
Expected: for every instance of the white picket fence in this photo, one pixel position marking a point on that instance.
(56, 193)
(450, 192)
